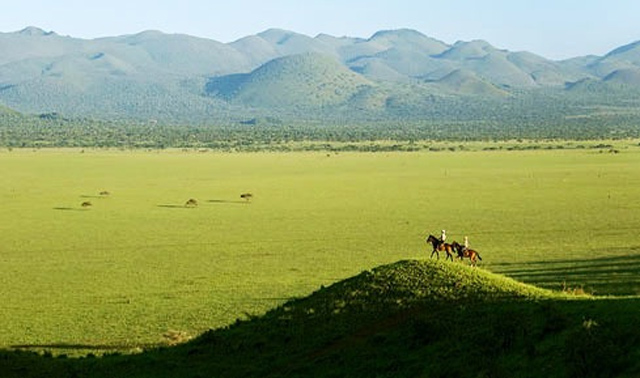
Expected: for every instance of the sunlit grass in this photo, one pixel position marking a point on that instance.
(138, 264)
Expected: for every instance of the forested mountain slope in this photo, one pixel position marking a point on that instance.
(393, 76)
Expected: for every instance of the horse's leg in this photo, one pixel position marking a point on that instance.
(436, 252)
(450, 251)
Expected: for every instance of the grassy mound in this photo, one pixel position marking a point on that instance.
(412, 283)
(408, 319)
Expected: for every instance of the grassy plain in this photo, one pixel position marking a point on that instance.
(138, 267)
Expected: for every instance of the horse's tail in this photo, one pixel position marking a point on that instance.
(479, 258)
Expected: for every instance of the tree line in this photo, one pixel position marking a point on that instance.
(527, 116)
(29, 132)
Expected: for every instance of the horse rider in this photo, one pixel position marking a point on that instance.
(443, 236)
(466, 243)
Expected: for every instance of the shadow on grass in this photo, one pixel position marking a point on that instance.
(72, 346)
(62, 208)
(228, 201)
(82, 349)
(169, 206)
(219, 201)
(615, 275)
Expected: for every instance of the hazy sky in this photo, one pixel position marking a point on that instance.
(555, 29)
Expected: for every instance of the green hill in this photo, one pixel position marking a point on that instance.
(544, 72)
(463, 81)
(629, 53)
(619, 86)
(407, 39)
(468, 50)
(256, 49)
(286, 42)
(376, 69)
(487, 62)
(178, 54)
(624, 57)
(306, 80)
(408, 319)
(627, 77)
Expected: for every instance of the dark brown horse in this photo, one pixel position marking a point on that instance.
(439, 246)
(463, 252)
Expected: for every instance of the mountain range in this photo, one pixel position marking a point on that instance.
(175, 77)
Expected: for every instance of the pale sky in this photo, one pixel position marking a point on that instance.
(555, 29)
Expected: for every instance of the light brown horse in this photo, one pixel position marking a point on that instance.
(463, 252)
(439, 246)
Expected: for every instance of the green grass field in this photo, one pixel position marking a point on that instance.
(138, 266)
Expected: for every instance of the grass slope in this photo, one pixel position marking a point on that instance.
(410, 318)
(138, 263)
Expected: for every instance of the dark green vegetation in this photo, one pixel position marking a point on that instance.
(407, 319)
(157, 90)
(256, 133)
